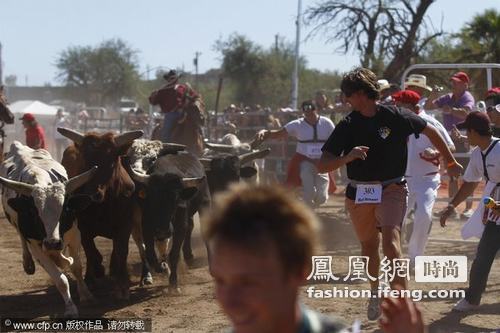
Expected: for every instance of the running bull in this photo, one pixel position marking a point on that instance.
(111, 214)
(36, 200)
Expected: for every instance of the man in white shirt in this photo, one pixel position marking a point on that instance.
(422, 173)
(484, 163)
(311, 133)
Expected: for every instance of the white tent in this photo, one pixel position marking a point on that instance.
(44, 115)
(34, 107)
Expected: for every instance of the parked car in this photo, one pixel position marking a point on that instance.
(126, 105)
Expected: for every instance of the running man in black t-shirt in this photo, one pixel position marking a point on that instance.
(372, 142)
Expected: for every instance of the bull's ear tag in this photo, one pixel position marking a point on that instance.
(384, 132)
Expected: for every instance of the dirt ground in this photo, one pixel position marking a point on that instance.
(196, 310)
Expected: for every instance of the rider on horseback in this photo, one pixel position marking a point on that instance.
(173, 98)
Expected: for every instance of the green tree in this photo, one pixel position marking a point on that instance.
(477, 41)
(480, 38)
(264, 76)
(108, 71)
(242, 62)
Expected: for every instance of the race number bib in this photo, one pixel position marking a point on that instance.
(314, 150)
(368, 193)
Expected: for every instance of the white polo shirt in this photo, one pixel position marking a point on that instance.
(475, 170)
(310, 138)
(416, 165)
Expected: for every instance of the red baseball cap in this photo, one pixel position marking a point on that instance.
(493, 91)
(406, 97)
(27, 117)
(460, 77)
(476, 120)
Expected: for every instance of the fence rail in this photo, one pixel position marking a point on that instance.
(281, 150)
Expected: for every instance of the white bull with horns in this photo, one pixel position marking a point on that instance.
(35, 199)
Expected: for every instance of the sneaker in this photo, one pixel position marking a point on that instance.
(464, 306)
(373, 311)
(466, 214)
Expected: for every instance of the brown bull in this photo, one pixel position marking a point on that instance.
(111, 214)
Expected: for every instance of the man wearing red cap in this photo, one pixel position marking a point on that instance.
(455, 106)
(485, 222)
(422, 173)
(35, 135)
(492, 101)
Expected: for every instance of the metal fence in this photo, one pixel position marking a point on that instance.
(282, 150)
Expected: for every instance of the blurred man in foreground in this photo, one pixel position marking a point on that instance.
(261, 241)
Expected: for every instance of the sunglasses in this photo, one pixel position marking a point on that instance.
(491, 108)
(308, 107)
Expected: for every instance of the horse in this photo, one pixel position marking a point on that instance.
(6, 117)
(188, 130)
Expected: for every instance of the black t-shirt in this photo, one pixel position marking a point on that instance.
(386, 134)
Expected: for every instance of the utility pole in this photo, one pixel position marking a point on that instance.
(276, 39)
(195, 62)
(295, 78)
(1, 65)
(150, 110)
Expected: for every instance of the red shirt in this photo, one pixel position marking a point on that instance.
(171, 99)
(35, 135)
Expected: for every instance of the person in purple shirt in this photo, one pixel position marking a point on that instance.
(455, 106)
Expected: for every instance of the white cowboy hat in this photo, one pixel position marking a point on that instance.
(417, 80)
(383, 84)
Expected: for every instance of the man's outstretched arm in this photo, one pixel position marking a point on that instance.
(330, 162)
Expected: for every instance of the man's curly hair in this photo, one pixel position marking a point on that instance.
(360, 79)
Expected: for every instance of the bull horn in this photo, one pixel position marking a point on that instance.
(80, 180)
(206, 163)
(220, 147)
(247, 157)
(173, 146)
(127, 137)
(18, 187)
(255, 144)
(192, 182)
(74, 136)
(140, 177)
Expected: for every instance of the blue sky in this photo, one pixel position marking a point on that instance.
(168, 33)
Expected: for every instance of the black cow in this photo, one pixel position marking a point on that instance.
(175, 189)
(222, 169)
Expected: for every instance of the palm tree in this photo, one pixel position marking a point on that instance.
(482, 38)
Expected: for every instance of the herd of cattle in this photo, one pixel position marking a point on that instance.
(114, 186)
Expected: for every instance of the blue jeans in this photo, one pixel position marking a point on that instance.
(169, 122)
(314, 184)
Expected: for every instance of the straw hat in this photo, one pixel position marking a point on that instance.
(417, 80)
(383, 84)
